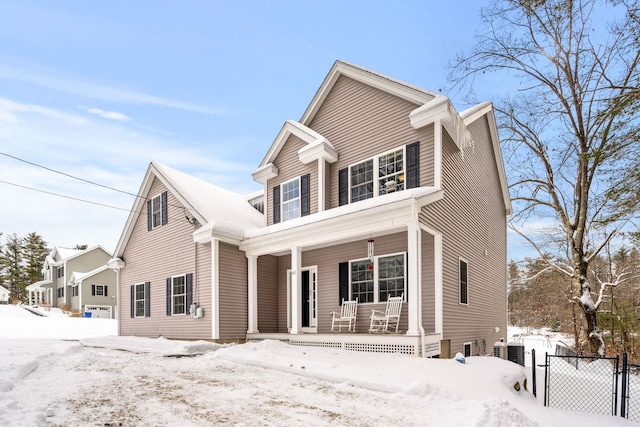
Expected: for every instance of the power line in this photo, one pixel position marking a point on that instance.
(69, 175)
(62, 195)
(84, 200)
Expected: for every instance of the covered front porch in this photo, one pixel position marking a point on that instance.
(299, 273)
(427, 345)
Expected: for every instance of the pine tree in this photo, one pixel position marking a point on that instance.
(34, 252)
(11, 261)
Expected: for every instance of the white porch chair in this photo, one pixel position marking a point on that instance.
(382, 321)
(346, 317)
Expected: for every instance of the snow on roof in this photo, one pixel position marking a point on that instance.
(64, 253)
(77, 276)
(222, 210)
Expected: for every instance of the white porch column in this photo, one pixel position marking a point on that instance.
(215, 289)
(321, 181)
(438, 296)
(413, 297)
(296, 289)
(253, 294)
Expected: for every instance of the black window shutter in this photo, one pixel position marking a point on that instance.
(164, 208)
(106, 292)
(189, 283)
(149, 223)
(147, 299)
(133, 301)
(343, 282)
(276, 204)
(305, 196)
(168, 296)
(93, 290)
(343, 187)
(413, 165)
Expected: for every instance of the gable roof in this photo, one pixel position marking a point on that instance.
(77, 276)
(472, 114)
(65, 254)
(430, 106)
(219, 211)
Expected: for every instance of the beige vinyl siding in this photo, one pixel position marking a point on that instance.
(267, 294)
(233, 293)
(152, 256)
(472, 219)
(290, 167)
(361, 121)
(326, 260)
(86, 262)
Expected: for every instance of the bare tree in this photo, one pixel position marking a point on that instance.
(569, 128)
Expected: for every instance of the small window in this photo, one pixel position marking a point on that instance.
(99, 290)
(139, 301)
(466, 349)
(362, 281)
(178, 295)
(156, 211)
(291, 199)
(74, 291)
(464, 284)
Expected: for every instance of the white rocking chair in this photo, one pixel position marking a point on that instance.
(382, 321)
(346, 317)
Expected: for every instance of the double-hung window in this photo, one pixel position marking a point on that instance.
(373, 282)
(291, 199)
(385, 173)
(179, 294)
(365, 183)
(139, 299)
(157, 211)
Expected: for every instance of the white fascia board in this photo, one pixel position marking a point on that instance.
(207, 233)
(265, 173)
(116, 263)
(318, 150)
(338, 227)
(440, 108)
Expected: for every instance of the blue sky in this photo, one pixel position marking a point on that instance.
(100, 89)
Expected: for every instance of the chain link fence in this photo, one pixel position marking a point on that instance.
(582, 383)
(630, 407)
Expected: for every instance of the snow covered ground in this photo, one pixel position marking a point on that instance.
(61, 371)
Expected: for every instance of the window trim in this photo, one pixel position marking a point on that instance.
(94, 290)
(184, 295)
(290, 201)
(376, 169)
(464, 347)
(460, 282)
(158, 197)
(136, 299)
(376, 276)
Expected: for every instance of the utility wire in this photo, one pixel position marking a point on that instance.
(79, 179)
(84, 200)
(62, 195)
(68, 175)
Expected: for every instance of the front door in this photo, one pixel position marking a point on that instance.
(308, 295)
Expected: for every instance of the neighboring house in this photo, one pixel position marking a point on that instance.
(77, 280)
(4, 295)
(381, 189)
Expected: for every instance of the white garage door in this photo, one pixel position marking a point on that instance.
(100, 312)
